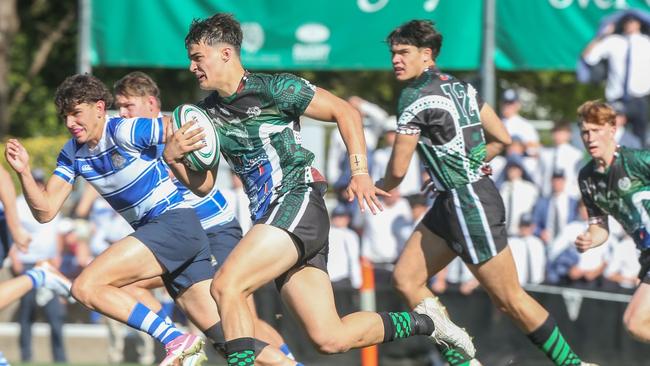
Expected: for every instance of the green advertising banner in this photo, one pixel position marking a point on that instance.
(283, 34)
(550, 34)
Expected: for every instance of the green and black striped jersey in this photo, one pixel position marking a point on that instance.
(445, 112)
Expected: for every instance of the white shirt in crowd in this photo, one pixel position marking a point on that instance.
(519, 197)
(343, 256)
(614, 48)
(412, 183)
(457, 272)
(529, 254)
(624, 261)
(385, 234)
(566, 158)
(590, 259)
(520, 127)
(44, 236)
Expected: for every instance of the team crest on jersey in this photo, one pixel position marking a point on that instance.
(253, 112)
(117, 160)
(624, 184)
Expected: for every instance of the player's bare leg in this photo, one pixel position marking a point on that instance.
(424, 255)
(269, 252)
(498, 276)
(637, 314)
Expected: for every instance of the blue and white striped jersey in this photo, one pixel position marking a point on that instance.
(212, 209)
(125, 169)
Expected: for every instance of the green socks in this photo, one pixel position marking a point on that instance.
(549, 339)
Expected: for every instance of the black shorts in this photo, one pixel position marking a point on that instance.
(302, 213)
(223, 239)
(644, 273)
(471, 219)
(180, 244)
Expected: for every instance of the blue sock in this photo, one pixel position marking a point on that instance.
(287, 352)
(147, 321)
(163, 315)
(37, 276)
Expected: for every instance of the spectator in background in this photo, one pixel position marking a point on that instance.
(622, 270)
(560, 156)
(627, 51)
(567, 266)
(623, 136)
(517, 125)
(519, 194)
(343, 260)
(383, 235)
(374, 120)
(552, 213)
(528, 252)
(75, 251)
(456, 276)
(515, 151)
(45, 246)
(412, 182)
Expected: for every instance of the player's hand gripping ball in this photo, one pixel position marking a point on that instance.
(208, 156)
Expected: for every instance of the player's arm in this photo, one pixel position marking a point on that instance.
(44, 203)
(400, 159)
(8, 198)
(179, 143)
(596, 234)
(325, 106)
(496, 135)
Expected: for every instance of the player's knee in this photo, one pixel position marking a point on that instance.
(82, 290)
(222, 287)
(638, 326)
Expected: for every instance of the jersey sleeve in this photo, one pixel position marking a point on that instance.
(137, 134)
(65, 163)
(292, 94)
(595, 213)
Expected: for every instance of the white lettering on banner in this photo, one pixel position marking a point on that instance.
(601, 4)
(312, 46)
(370, 6)
(253, 37)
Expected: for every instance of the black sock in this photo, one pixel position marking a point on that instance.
(549, 339)
(240, 352)
(216, 337)
(405, 324)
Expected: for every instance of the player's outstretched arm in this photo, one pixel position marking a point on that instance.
(400, 158)
(325, 106)
(595, 235)
(496, 135)
(8, 198)
(179, 143)
(44, 204)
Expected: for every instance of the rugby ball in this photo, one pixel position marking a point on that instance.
(208, 156)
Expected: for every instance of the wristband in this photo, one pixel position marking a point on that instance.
(358, 164)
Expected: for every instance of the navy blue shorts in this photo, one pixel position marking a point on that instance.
(5, 238)
(179, 243)
(223, 239)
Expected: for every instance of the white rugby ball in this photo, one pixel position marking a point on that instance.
(208, 156)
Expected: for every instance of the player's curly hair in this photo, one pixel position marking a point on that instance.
(419, 33)
(137, 84)
(78, 89)
(221, 27)
(597, 112)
